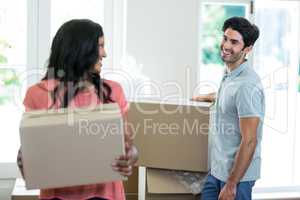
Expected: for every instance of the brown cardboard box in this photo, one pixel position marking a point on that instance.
(160, 185)
(71, 147)
(171, 135)
(131, 185)
(132, 196)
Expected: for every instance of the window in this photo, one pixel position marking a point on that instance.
(213, 14)
(277, 62)
(13, 58)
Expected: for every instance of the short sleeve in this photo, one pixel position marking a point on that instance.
(28, 100)
(250, 101)
(124, 106)
(118, 96)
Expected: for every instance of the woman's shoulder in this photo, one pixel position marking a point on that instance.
(43, 85)
(116, 88)
(112, 84)
(37, 95)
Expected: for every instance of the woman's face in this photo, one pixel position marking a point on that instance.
(102, 54)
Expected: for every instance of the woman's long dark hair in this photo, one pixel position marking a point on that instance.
(74, 53)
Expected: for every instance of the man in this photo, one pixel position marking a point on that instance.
(237, 128)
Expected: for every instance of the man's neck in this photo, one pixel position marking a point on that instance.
(233, 66)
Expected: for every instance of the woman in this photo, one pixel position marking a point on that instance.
(73, 80)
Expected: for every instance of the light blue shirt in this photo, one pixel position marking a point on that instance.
(240, 95)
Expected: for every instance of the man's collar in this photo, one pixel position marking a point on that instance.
(236, 71)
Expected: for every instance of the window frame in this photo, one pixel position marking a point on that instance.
(249, 15)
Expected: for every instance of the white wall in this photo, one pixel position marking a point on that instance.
(162, 35)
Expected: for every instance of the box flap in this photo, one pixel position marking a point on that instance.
(179, 101)
(69, 115)
(162, 182)
(99, 108)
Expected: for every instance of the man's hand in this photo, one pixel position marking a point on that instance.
(205, 97)
(228, 192)
(124, 163)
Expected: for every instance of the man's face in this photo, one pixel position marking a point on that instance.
(232, 47)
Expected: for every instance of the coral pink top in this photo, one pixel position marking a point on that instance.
(38, 97)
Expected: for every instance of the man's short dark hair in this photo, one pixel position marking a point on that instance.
(250, 32)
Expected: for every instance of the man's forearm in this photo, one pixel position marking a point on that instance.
(242, 160)
(211, 97)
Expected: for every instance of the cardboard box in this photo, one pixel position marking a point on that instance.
(171, 135)
(160, 185)
(71, 147)
(131, 185)
(131, 196)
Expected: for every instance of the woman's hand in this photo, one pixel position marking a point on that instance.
(124, 163)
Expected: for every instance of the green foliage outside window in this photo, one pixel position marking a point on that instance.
(8, 77)
(3, 45)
